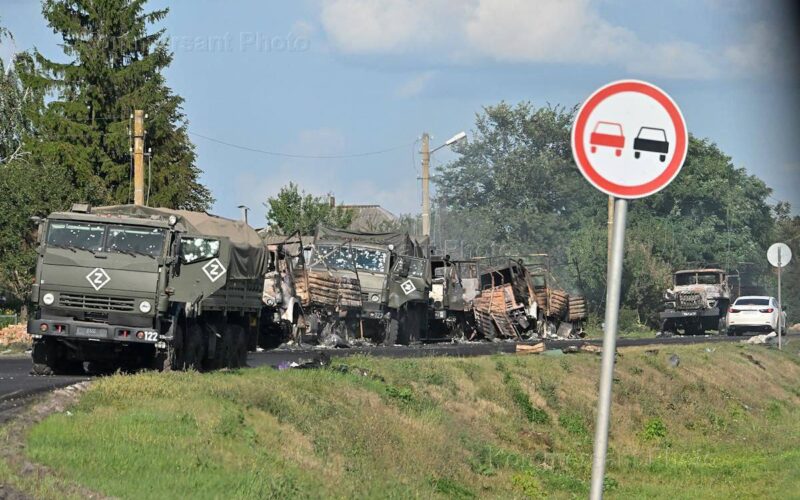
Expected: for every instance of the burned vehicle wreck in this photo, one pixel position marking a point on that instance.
(515, 303)
(698, 301)
(353, 287)
(454, 286)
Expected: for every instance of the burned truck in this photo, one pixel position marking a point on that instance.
(454, 285)
(513, 303)
(697, 302)
(363, 286)
(131, 286)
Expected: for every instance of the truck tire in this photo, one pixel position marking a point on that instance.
(391, 332)
(49, 360)
(722, 328)
(193, 349)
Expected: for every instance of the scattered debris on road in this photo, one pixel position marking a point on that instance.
(761, 339)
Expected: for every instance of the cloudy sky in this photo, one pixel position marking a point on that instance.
(346, 77)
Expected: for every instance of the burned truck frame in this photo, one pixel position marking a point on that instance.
(454, 285)
(516, 301)
(130, 286)
(698, 301)
(357, 285)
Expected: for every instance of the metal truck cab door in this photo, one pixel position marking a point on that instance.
(200, 267)
(409, 280)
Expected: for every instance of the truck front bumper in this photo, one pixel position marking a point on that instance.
(696, 313)
(82, 330)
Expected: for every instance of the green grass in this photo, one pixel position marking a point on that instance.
(718, 426)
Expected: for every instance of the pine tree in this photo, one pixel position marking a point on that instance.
(114, 66)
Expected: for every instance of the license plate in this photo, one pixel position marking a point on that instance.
(87, 331)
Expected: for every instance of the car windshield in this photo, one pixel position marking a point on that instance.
(81, 235)
(344, 257)
(752, 301)
(608, 128)
(652, 134)
(132, 239)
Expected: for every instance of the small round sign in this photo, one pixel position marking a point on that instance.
(779, 254)
(629, 139)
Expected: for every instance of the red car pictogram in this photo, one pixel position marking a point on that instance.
(607, 134)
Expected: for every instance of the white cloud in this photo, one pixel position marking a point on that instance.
(517, 31)
(415, 85)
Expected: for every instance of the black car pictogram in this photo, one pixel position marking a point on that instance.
(652, 140)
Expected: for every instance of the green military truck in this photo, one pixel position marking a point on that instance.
(360, 285)
(131, 286)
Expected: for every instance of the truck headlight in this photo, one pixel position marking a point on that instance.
(48, 298)
(145, 307)
(375, 298)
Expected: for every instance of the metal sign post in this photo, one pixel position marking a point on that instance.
(629, 140)
(779, 255)
(614, 284)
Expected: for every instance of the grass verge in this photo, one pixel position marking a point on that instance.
(718, 425)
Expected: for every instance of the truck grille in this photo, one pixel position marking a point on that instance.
(96, 302)
(689, 301)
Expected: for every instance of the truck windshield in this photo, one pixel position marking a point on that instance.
(139, 240)
(344, 257)
(684, 279)
(82, 235)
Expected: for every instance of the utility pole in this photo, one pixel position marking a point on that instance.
(138, 157)
(426, 179)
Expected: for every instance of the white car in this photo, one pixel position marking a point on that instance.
(754, 314)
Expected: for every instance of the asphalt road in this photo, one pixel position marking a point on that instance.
(16, 384)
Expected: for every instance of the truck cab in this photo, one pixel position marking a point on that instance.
(113, 285)
(697, 301)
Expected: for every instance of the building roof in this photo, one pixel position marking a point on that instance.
(370, 218)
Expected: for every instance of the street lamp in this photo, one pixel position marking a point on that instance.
(426, 176)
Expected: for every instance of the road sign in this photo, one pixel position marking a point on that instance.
(779, 254)
(629, 139)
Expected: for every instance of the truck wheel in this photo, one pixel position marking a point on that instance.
(194, 349)
(390, 335)
(48, 360)
(722, 329)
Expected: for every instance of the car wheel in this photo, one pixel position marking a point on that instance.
(618, 152)
(594, 149)
(662, 157)
(637, 154)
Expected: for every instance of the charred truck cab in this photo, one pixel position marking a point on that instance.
(363, 286)
(698, 301)
(130, 286)
(454, 285)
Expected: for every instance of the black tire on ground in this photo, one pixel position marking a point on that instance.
(194, 348)
(391, 332)
(49, 359)
(236, 338)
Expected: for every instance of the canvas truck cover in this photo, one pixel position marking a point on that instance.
(403, 244)
(248, 254)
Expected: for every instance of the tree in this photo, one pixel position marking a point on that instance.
(293, 210)
(115, 66)
(515, 190)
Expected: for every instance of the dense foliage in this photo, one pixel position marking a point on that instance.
(293, 210)
(516, 185)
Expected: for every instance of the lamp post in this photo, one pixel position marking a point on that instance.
(426, 176)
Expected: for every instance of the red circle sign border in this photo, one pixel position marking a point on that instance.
(681, 140)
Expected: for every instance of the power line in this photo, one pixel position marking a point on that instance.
(290, 155)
